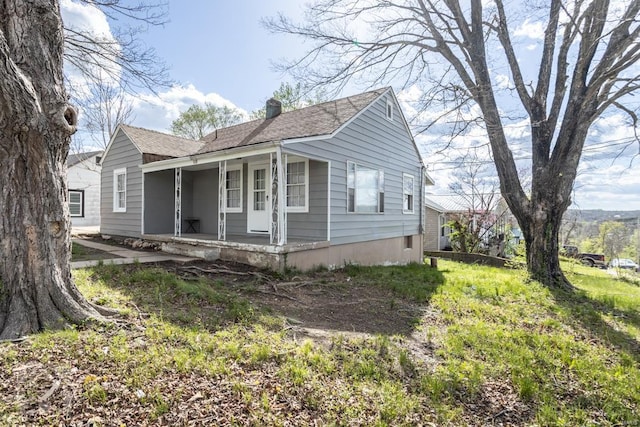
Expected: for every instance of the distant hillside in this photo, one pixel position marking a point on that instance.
(599, 215)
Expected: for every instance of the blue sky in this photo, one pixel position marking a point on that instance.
(218, 52)
(221, 47)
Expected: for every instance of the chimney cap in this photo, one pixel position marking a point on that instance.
(273, 108)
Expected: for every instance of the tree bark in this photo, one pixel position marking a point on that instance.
(36, 288)
(541, 233)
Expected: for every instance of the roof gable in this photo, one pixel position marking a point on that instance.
(74, 159)
(161, 144)
(316, 120)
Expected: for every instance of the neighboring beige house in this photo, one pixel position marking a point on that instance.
(441, 209)
(437, 214)
(83, 183)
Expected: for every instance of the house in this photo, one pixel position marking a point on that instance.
(492, 218)
(439, 210)
(334, 183)
(83, 183)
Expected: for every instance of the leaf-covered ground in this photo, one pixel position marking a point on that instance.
(222, 344)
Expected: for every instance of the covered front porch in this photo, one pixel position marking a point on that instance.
(269, 202)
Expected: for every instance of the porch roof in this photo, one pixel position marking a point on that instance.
(161, 144)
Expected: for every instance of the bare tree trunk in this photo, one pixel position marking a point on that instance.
(541, 237)
(36, 288)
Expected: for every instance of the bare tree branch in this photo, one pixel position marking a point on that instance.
(588, 64)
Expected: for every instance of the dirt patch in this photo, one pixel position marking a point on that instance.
(326, 300)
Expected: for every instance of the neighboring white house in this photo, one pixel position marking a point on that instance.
(83, 182)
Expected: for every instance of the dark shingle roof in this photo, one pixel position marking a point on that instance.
(315, 120)
(161, 144)
(74, 159)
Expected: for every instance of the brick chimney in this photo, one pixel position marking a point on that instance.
(274, 108)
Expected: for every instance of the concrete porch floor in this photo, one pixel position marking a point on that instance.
(246, 242)
(124, 255)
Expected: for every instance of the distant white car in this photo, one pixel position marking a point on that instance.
(623, 263)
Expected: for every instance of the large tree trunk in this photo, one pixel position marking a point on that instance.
(541, 237)
(36, 123)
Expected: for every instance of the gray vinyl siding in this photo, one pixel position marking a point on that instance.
(205, 200)
(186, 201)
(237, 222)
(312, 225)
(375, 142)
(122, 154)
(159, 202)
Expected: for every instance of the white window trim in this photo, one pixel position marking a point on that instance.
(81, 192)
(305, 208)
(229, 169)
(116, 173)
(388, 111)
(355, 206)
(413, 194)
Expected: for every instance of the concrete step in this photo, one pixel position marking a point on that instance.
(195, 251)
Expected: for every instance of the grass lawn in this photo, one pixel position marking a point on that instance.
(461, 345)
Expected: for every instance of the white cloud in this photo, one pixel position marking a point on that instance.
(532, 30)
(519, 130)
(157, 112)
(502, 81)
(85, 17)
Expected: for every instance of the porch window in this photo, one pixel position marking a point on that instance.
(234, 190)
(297, 186)
(76, 203)
(407, 193)
(120, 190)
(365, 189)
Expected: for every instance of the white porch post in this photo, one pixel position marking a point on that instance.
(177, 229)
(278, 229)
(222, 200)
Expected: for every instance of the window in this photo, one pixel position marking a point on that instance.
(297, 186)
(259, 189)
(365, 189)
(389, 110)
(233, 187)
(408, 242)
(120, 190)
(407, 193)
(76, 203)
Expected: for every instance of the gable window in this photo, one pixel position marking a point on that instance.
(120, 190)
(365, 189)
(76, 203)
(407, 193)
(297, 186)
(389, 109)
(234, 189)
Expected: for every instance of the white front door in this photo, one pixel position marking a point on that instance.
(259, 205)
